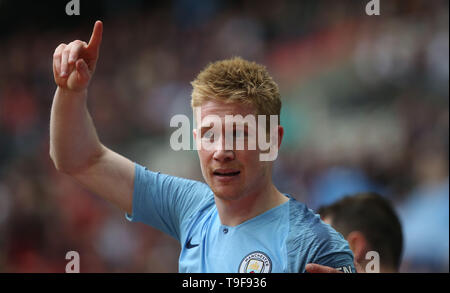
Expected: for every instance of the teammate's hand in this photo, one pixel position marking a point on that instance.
(320, 269)
(74, 64)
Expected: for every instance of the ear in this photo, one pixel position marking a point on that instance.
(280, 135)
(358, 244)
(326, 220)
(196, 143)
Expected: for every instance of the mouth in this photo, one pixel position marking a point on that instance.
(224, 173)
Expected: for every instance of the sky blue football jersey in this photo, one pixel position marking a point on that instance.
(281, 240)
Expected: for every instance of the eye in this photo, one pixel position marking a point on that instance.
(208, 134)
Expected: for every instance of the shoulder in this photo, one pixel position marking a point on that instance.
(307, 225)
(161, 180)
(178, 195)
(310, 238)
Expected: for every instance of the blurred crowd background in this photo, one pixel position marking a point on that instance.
(365, 108)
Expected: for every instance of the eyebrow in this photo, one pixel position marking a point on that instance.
(245, 128)
(204, 129)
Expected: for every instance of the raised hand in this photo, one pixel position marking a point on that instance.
(74, 64)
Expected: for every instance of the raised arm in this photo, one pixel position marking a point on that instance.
(74, 145)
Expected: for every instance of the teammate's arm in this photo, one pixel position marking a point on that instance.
(74, 145)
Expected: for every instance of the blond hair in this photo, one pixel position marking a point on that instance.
(240, 81)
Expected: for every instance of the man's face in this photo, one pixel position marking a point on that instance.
(231, 173)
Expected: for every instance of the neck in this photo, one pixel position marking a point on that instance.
(236, 211)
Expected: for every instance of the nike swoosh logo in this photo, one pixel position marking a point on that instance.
(189, 245)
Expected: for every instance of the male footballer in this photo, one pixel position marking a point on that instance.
(238, 221)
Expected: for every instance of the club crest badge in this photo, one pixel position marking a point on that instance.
(256, 262)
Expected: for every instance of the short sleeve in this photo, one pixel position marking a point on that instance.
(312, 241)
(165, 202)
(335, 254)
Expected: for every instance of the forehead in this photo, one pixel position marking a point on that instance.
(221, 109)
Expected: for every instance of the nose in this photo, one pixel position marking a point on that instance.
(222, 154)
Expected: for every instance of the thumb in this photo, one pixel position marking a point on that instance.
(83, 74)
(320, 269)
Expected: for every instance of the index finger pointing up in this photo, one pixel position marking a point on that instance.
(96, 37)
